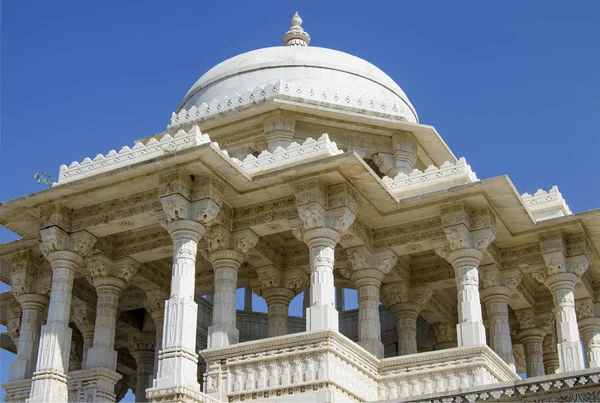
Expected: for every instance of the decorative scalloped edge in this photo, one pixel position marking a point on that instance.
(294, 153)
(432, 179)
(280, 88)
(544, 205)
(126, 156)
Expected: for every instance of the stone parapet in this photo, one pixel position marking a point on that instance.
(324, 364)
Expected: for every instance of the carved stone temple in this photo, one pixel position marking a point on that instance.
(297, 171)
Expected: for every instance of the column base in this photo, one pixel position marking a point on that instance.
(471, 334)
(177, 368)
(49, 386)
(373, 346)
(101, 357)
(570, 356)
(93, 385)
(179, 394)
(222, 336)
(322, 317)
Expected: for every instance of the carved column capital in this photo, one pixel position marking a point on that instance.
(23, 273)
(399, 297)
(117, 273)
(368, 266)
(63, 249)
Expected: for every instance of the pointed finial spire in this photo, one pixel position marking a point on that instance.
(296, 36)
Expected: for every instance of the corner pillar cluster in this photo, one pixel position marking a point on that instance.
(589, 328)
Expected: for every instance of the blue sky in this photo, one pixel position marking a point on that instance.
(512, 86)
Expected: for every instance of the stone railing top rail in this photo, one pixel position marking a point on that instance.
(308, 150)
(433, 178)
(127, 156)
(545, 205)
(291, 90)
(555, 387)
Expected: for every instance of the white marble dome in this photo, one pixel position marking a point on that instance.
(307, 74)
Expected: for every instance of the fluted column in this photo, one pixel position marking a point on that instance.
(368, 270)
(406, 303)
(532, 338)
(84, 317)
(589, 328)
(468, 234)
(141, 346)
(497, 289)
(65, 253)
(278, 288)
(326, 213)
(551, 361)
(33, 307)
(156, 308)
(566, 260)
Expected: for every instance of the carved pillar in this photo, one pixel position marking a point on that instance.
(13, 323)
(368, 270)
(189, 207)
(403, 158)
(497, 288)
(109, 278)
(551, 361)
(156, 308)
(248, 299)
(278, 288)
(406, 304)
(279, 130)
(445, 335)
(340, 300)
(468, 234)
(141, 346)
(65, 253)
(566, 261)
(305, 300)
(589, 327)
(227, 251)
(532, 339)
(326, 213)
(84, 317)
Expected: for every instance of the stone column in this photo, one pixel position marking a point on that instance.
(156, 308)
(497, 289)
(84, 317)
(305, 300)
(33, 307)
(468, 234)
(445, 335)
(13, 321)
(551, 361)
(566, 261)
(190, 205)
(368, 270)
(226, 252)
(65, 253)
(532, 339)
(24, 283)
(278, 288)
(340, 300)
(589, 327)
(326, 213)
(141, 346)
(406, 304)
(248, 299)
(109, 278)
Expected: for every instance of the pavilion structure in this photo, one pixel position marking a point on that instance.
(285, 171)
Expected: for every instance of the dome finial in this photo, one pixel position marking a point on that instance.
(296, 36)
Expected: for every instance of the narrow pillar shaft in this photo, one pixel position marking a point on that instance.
(49, 379)
(470, 329)
(406, 326)
(158, 317)
(340, 300)
(178, 360)
(321, 314)
(145, 367)
(223, 331)
(590, 333)
(87, 333)
(305, 300)
(570, 353)
(248, 299)
(278, 302)
(102, 353)
(496, 302)
(369, 327)
(33, 307)
(532, 340)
